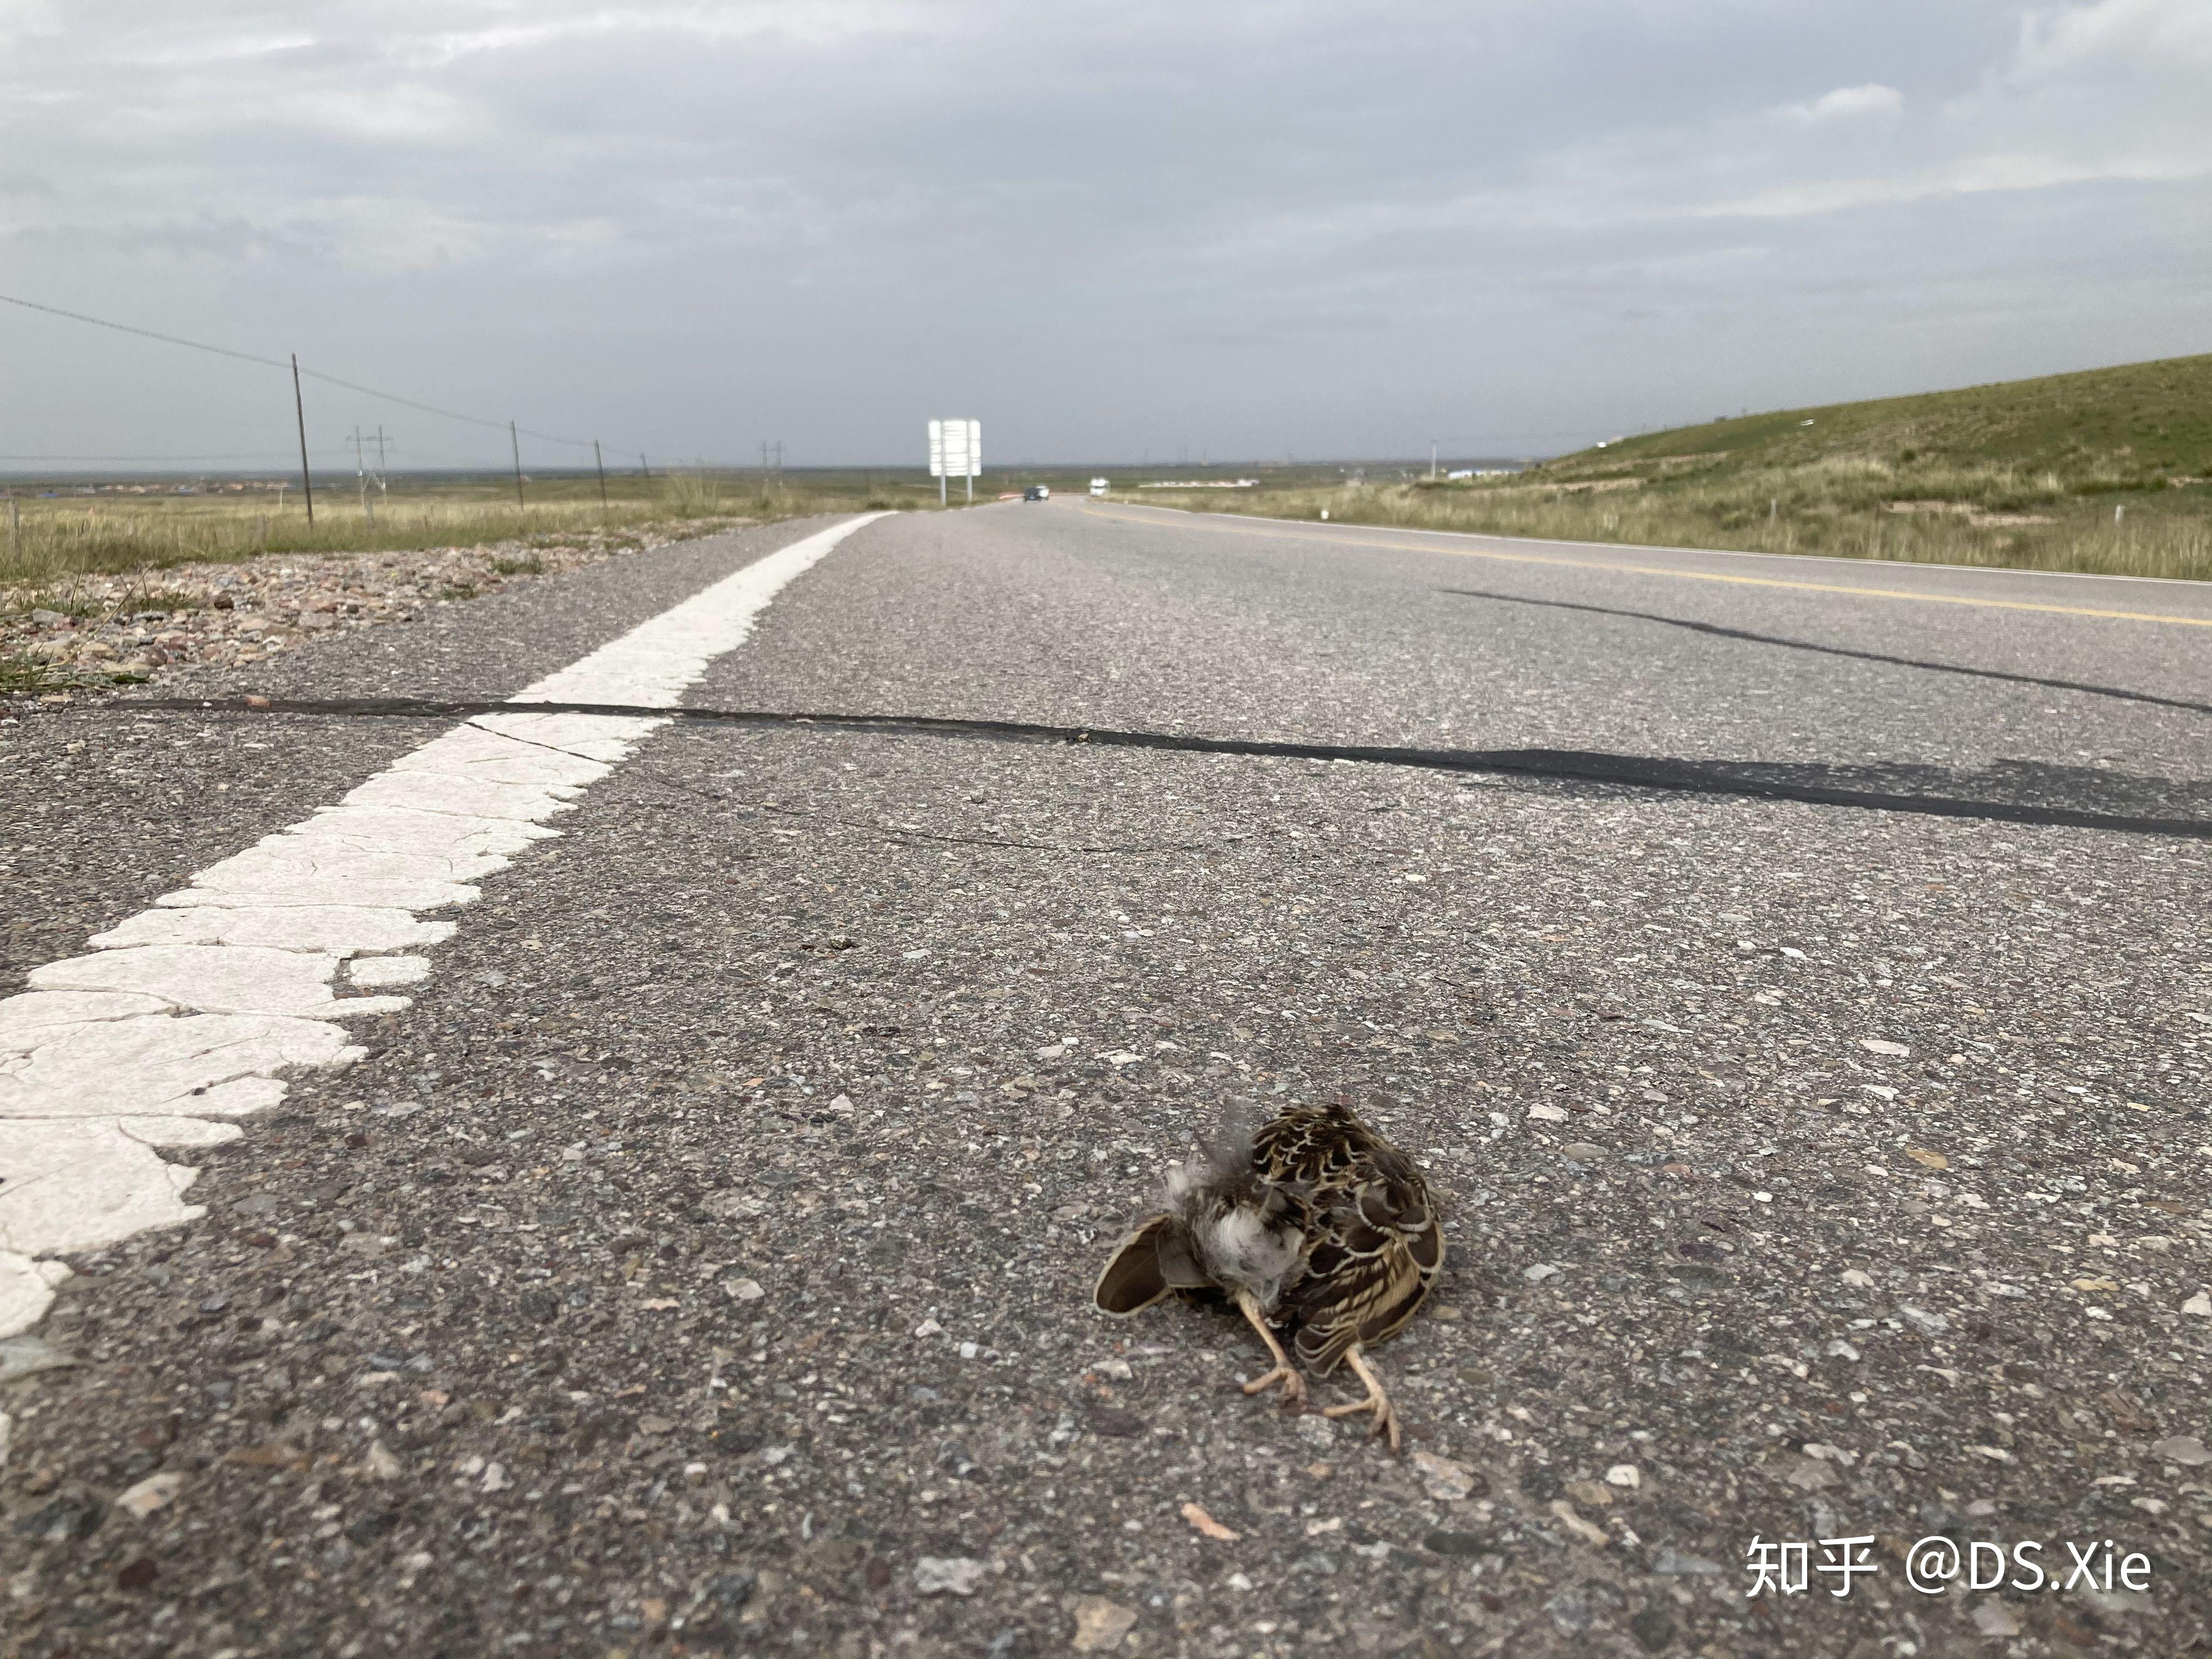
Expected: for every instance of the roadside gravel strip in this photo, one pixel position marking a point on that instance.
(180, 1019)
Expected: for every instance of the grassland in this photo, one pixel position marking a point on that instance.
(2108, 472)
(49, 537)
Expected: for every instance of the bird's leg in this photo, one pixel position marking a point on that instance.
(1294, 1386)
(1386, 1419)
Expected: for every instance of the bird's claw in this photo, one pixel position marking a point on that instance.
(1386, 1420)
(1294, 1386)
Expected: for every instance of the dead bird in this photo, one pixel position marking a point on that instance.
(1316, 1227)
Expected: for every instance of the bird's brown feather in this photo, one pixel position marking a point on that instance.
(1376, 1245)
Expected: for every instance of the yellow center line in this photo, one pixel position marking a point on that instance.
(1319, 535)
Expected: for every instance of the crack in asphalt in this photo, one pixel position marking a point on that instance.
(1720, 632)
(1571, 765)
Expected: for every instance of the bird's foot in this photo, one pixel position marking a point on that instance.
(1294, 1386)
(1386, 1417)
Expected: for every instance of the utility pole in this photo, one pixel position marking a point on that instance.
(599, 461)
(361, 477)
(383, 489)
(1433, 460)
(516, 443)
(642, 467)
(306, 478)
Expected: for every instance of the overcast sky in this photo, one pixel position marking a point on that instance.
(1242, 228)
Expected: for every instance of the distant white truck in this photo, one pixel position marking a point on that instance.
(1098, 486)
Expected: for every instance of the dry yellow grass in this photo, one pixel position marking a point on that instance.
(46, 540)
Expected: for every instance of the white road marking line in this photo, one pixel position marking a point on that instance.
(185, 1014)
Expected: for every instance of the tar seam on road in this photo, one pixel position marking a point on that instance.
(1846, 589)
(1575, 765)
(1720, 632)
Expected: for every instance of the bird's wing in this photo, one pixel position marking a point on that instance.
(1377, 1253)
(1146, 1265)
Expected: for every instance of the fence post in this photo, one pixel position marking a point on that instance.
(599, 461)
(517, 442)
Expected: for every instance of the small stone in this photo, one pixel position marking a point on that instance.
(496, 1478)
(1623, 1475)
(1540, 1272)
(138, 1575)
(654, 1425)
(1100, 1623)
(742, 1289)
(156, 1491)
(1445, 1480)
(1807, 1473)
(1052, 1051)
(1459, 1545)
(379, 1464)
(1878, 1046)
(26, 1356)
(2200, 1304)
(1678, 1564)
(1595, 1536)
(1994, 1618)
(1118, 1369)
(2185, 1448)
(1548, 1114)
(1582, 1151)
(929, 1328)
(1652, 1629)
(1928, 1324)
(365, 1245)
(948, 1575)
(1206, 1526)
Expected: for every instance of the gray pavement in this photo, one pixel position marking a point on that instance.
(701, 1263)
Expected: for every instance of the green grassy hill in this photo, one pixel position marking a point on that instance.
(2133, 427)
(2108, 472)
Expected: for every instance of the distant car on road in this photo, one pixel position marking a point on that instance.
(1038, 493)
(1098, 486)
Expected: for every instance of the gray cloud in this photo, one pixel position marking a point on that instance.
(1248, 228)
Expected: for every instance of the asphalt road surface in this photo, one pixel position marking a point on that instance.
(1792, 975)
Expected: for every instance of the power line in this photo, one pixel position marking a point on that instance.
(257, 455)
(271, 362)
(170, 339)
